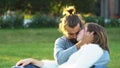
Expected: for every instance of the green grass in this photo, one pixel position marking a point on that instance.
(16, 44)
(114, 43)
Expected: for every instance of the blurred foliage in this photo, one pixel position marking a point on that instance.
(46, 13)
(53, 7)
(112, 22)
(40, 20)
(9, 21)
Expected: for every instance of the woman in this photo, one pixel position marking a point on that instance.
(90, 53)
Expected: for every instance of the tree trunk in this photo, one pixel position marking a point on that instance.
(105, 8)
(112, 8)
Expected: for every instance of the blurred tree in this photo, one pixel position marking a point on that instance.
(53, 7)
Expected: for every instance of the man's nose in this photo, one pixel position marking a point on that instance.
(75, 36)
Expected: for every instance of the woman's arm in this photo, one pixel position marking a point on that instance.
(88, 56)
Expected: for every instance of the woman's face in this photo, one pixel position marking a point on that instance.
(81, 34)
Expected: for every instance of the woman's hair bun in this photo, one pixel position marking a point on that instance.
(69, 10)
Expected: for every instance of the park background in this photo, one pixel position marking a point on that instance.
(28, 28)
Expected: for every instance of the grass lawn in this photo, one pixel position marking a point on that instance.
(16, 44)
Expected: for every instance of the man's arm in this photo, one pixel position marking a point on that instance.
(61, 54)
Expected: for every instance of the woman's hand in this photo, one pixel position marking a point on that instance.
(24, 62)
(28, 61)
(88, 38)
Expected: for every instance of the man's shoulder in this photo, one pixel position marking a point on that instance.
(62, 38)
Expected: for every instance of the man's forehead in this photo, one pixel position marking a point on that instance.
(73, 31)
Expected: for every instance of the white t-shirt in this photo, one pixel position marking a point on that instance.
(85, 57)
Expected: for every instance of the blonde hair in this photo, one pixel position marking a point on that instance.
(69, 10)
(70, 19)
(100, 35)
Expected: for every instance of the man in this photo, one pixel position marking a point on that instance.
(67, 44)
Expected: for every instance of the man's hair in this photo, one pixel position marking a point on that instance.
(70, 19)
(100, 35)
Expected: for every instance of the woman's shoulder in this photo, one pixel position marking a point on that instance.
(91, 46)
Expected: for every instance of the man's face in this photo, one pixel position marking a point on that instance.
(81, 34)
(71, 33)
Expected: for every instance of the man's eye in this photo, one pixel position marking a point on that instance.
(71, 34)
(77, 33)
